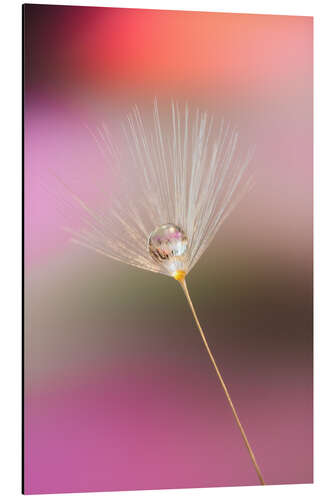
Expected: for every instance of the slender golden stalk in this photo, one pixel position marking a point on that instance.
(180, 277)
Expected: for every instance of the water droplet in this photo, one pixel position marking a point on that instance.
(167, 243)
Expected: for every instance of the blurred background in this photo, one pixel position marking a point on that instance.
(119, 391)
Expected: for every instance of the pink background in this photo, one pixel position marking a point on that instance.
(119, 392)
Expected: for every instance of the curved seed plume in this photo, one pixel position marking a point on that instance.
(185, 170)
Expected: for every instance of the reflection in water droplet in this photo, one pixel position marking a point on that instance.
(167, 244)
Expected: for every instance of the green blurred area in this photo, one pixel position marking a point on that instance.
(88, 309)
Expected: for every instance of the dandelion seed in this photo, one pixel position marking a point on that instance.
(188, 176)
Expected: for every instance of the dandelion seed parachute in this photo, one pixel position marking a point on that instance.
(185, 171)
(188, 175)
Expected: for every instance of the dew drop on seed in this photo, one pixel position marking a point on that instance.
(166, 242)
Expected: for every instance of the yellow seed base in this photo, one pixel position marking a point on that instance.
(179, 275)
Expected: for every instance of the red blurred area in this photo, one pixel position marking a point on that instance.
(168, 51)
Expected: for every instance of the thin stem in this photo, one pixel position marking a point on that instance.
(182, 283)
